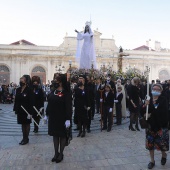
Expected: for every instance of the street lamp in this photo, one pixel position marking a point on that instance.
(60, 68)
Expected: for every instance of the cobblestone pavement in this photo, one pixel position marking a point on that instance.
(119, 149)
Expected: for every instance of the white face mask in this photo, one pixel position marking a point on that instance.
(108, 78)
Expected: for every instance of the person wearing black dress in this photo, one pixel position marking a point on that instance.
(37, 100)
(59, 112)
(23, 98)
(82, 105)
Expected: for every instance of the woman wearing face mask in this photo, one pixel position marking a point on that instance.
(157, 134)
(37, 100)
(59, 112)
(82, 105)
(23, 98)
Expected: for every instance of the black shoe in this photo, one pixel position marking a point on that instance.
(115, 123)
(104, 128)
(163, 161)
(76, 129)
(131, 128)
(83, 134)
(55, 158)
(109, 129)
(88, 130)
(21, 142)
(151, 165)
(119, 123)
(79, 134)
(35, 131)
(59, 158)
(24, 142)
(137, 128)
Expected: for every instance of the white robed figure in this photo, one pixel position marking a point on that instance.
(85, 53)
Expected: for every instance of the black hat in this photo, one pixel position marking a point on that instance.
(82, 76)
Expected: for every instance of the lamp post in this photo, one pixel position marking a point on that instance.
(60, 68)
(70, 63)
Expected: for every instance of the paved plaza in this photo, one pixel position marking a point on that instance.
(119, 149)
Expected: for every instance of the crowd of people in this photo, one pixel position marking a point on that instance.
(79, 99)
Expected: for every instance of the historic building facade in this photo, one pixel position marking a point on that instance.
(23, 57)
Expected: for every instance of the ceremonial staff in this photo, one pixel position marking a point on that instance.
(147, 95)
(101, 107)
(29, 115)
(37, 112)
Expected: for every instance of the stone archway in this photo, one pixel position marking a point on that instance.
(4, 75)
(163, 75)
(39, 71)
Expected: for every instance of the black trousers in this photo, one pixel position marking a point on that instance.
(98, 105)
(37, 120)
(107, 117)
(118, 113)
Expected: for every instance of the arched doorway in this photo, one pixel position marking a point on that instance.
(39, 71)
(4, 75)
(163, 75)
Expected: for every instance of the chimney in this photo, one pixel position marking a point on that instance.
(157, 46)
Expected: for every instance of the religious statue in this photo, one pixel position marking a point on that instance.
(85, 53)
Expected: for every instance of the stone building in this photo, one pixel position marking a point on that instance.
(23, 57)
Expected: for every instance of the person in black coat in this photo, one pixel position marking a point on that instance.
(90, 88)
(110, 81)
(37, 100)
(108, 101)
(59, 112)
(23, 98)
(135, 92)
(118, 100)
(82, 105)
(157, 133)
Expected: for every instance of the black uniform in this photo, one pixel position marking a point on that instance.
(119, 97)
(107, 104)
(59, 109)
(23, 99)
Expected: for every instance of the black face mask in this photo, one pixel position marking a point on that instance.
(79, 84)
(35, 86)
(56, 85)
(21, 84)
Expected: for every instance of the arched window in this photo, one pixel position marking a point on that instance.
(4, 75)
(163, 75)
(38, 69)
(4, 68)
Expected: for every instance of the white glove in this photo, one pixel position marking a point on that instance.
(45, 120)
(88, 108)
(29, 117)
(110, 110)
(67, 123)
(116, 101)
(101, 100)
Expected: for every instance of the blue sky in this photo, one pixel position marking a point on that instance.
(45, 22)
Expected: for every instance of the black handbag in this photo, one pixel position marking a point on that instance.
(143, 123)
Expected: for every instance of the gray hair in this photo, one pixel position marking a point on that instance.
(158, 85)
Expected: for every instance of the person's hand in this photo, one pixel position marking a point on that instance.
(134, 105)
(110, 110)
(88, 108)
(67, 123)
(101, 100)
(147, 102)
(76, 31)
(116, 101)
